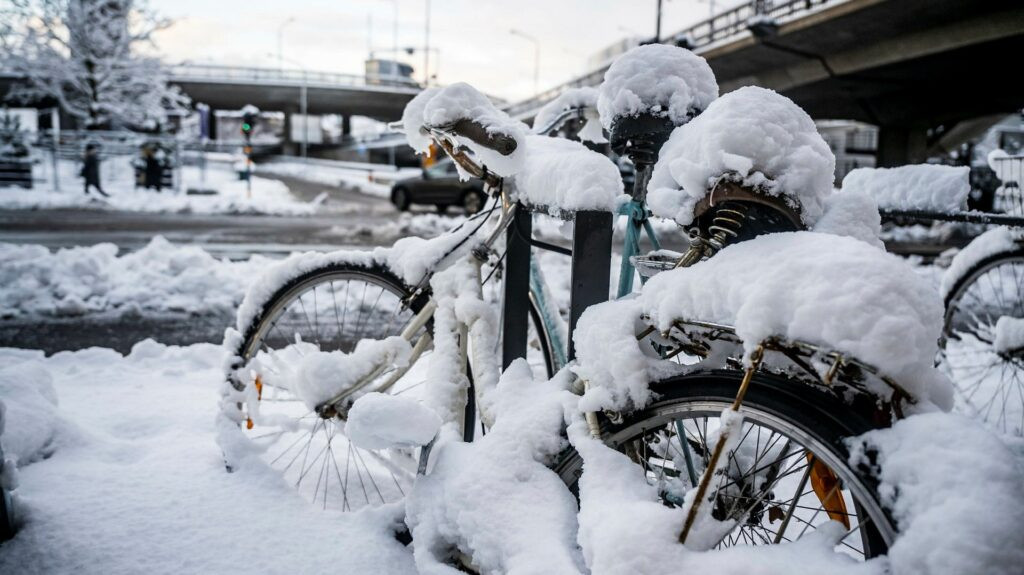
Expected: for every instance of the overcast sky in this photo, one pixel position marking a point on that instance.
(472, 35)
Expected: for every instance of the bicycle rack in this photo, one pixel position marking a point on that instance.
(589, 282)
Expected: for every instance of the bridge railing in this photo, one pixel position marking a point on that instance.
(723, 25)
(254, 75)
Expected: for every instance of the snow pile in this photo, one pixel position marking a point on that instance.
(657, 79)
(160, 277)
(925, 187)
(824, 289)
(136, 462)
(754, 135)
(584, 98)
(564, 175)
(380, 421)
(29, 404)
(440, 107)
(316, 376)
(1009, 334)
(955, 491)
(851, 213)
(267, 197)
(995, 241)
(496, 500)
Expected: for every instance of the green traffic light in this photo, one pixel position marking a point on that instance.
(246, 127)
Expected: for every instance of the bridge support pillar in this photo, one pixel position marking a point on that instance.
(346, 125)
(289, 147)
(901, 145)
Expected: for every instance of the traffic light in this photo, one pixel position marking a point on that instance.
(250, 115)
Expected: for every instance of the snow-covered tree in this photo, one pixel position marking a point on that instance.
(88, 56)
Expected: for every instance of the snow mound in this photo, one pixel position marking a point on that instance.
(926, 187)
(160, 277)
(824, 289)
(580, 98)
(1009, 334)
(754, 135)
(381, 421)
(531, 526)
(563, 174)
(851, 213)
(658, 79)
(955, 491)
(29, 404)
(460, 101)
(990, 243)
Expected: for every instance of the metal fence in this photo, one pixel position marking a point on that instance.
(284, 76)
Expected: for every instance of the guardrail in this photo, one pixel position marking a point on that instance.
(724, 25)
(291, 77)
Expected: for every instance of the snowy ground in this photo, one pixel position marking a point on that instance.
(233, 196)
(365, 179)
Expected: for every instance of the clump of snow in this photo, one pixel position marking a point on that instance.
(754, 135)
(955, 491)
(442, 107)
(851, 213)
(990, 243)
(829, 290)
(564, 175)
(159, 277)
(496, 500)
(656, 79)
(925, 187)
(1009, 334)
(30, 417)
(584, 98)
(382, 421)
(315, 376)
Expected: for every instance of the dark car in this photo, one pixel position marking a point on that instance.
(439, 186)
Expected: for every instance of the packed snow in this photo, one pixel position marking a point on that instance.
(563, 175)
(382, 421)
(755, 136)
(854, 214)
(924, 187)
(656, 79)
(1009, 334)
(161, 277)
(820, 288)
(267, 197)
(30, 408)
(583, 98)
(995, 241)
(440, 107)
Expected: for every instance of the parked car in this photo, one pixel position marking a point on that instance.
(439, 186)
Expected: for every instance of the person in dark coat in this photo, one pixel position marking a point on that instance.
(91, 169)
(154, 171)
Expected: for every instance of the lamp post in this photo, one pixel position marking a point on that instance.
(303, 108)
(426, 47)
(280, 42)
(536, 57)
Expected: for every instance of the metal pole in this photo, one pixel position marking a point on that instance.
(657, 31)
(516, 312)
(426, 48)
(591, 266)
(55, 130)
(305, 116)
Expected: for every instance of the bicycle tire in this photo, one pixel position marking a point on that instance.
(819, 419)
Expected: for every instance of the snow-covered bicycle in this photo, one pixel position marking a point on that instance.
(735, 382)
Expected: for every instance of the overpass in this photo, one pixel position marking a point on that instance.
(915, 68)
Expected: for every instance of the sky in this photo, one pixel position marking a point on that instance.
(472, 37)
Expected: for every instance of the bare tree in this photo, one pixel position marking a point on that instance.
(87, 55)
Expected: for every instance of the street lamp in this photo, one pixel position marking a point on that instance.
(280, 42)
(536, 57)
(302, 107)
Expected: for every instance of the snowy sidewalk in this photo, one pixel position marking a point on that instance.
(136, 484)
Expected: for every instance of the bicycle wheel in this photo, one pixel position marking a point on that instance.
(331, 308)
(989, 381)
(788, 475)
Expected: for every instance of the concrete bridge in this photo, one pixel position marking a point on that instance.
(915, 68)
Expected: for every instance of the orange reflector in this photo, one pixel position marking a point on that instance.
(259, 388)
(248, 423)
(828, 487)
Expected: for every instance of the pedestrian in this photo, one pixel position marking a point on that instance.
(154, 170)
(91, 169)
